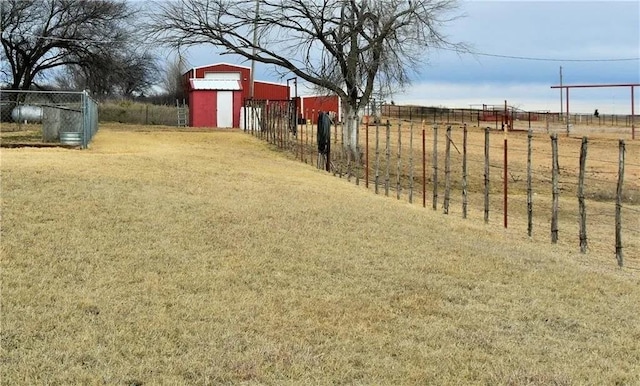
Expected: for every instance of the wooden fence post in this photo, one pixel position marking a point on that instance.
(619, 255)
(366, 155)
(274, 125)
(336, 135)
(424, 169)
(357, 160)
(388, 156)
(339, 155)
(286, 134)
(276, 122)
(581, 204)
(314, 147)
(399, 174)
(377, 175)
(505, 183)
(464, 171)
(486, 175)
(529, 185)
(266, 136)
(447, 171)
(411, 162)
(348, 151)
(555, 190)
(435, 167)
(271, 126)
(285, 129)
(306, 137)
(264, 123)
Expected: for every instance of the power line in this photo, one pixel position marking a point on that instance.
(459, 51)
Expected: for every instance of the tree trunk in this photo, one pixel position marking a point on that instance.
(351, 123)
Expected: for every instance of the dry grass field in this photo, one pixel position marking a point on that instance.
(601, 176)
(171, 257)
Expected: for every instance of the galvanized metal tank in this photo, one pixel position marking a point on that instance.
(28, 113)
(71, 138)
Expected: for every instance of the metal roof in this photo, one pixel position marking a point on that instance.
(219, 64)
(215, 84)
(271, 83)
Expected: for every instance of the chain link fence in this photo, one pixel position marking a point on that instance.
(47, 118)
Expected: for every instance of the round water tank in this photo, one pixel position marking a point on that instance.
(27, 113)
(71, 138)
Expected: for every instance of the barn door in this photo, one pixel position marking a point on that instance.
(225, 109)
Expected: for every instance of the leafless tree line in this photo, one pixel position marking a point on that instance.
(81, 45)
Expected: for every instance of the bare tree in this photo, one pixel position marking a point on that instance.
(123, 72)
(173, 76)
(139, 72)
(38, 36)
(350, 47)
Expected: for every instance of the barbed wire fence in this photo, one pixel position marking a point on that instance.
(467, 170)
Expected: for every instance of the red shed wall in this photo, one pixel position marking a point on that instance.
(237, 104)
(272, 91)
(312, 105)
(202, 108)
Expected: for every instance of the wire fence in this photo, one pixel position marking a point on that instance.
(136, 113)
(495, 116)
(518, 179)
(47, 118)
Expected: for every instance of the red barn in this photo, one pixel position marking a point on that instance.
(217, 92)
(214, 102)
(310, 106)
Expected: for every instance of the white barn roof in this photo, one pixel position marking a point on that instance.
(215, 84)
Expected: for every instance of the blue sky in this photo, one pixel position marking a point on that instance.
(564, 31)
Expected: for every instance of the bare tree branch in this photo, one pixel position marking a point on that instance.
(349, 47)
(38, 36)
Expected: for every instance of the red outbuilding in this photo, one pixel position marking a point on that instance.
(214, 103)
(217, 92)
(311, 106)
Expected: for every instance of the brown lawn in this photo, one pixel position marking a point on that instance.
(173, 257)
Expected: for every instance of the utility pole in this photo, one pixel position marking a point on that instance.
(255, 41)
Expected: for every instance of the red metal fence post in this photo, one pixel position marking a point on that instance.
(633, 127)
